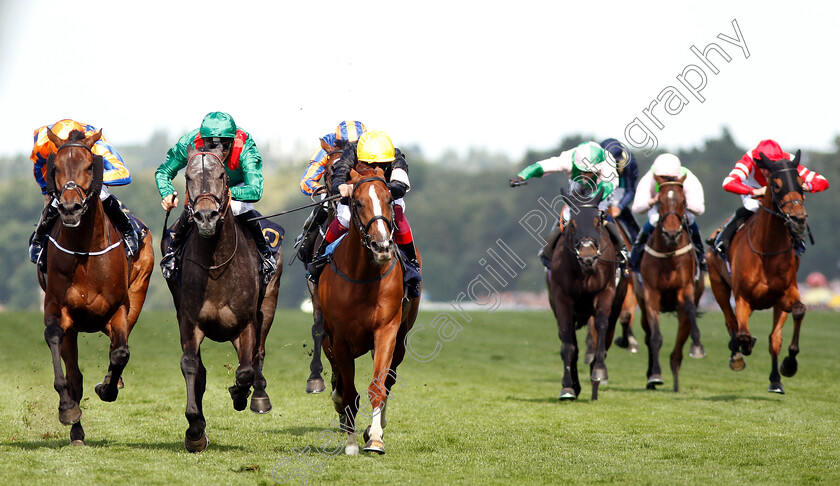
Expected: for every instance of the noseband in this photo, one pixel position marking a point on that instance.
(221, 205)
(364, 227)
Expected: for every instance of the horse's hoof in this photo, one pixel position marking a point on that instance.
(101, 390)
(260, 404)
(697, 351)
(589, 358)
(376, 446)
(240, 400)
(70, 416)
(351, 449)
(77, 442)
(621, 342)
(789, 367)
(315, 385)
(567, 394)
(776, 387)
(737, 363)
(598, 375)
(633, 346)
(120, 384)
(654, 381)
(196, 445)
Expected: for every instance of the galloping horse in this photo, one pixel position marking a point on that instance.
(315, 382)
(764, 266)
(89, 284)
(361, 295)
(668, 268)
(582, 284)
(220, 295)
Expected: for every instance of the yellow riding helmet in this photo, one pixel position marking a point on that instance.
(375, 147)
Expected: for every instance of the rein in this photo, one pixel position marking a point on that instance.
(220, 265)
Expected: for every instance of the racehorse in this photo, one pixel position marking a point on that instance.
(361, 294)
(89, 285)
(582, 284)
(668, 284)
(315, 382)
(764, 266)
(220, 294)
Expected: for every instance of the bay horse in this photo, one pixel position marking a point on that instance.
(582, 284)
(764, 265)
(89, 285)
(220, 294)
(315, 382)
(668, 268)
(361, 295)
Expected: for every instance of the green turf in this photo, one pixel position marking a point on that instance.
(483, 411)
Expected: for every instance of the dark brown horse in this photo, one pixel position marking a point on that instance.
(764, 266)
(361, 295)
(89, 286)
(315, 382)
(582, 285)
(668, 270)
(220, 295)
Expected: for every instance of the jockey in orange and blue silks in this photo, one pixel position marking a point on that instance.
(116, 174)
(332, 146)
(750, 182)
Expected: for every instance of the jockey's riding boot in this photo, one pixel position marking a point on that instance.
(268, 265)
(45, 225)
(698, 247)
(319, 261)
(730, 227)
(413, 281)
(170, 262)
(618, 241)
(547, 251)
(638, 248)
(310, 233)
(123, 223)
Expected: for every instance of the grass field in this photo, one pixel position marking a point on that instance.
(483, 411)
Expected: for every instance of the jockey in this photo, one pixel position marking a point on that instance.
(622, 196)
(377, 150)
(332, 145)
(587, 165)
(750, 182)
(243, 165)
(667, 165)
(116, 174)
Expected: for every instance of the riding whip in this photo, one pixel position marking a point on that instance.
(296, 209)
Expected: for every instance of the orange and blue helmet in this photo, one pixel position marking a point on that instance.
(349, 130)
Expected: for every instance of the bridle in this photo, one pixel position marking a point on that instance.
(364, 227)
(221, 204)
(780, 212)
(84, 194)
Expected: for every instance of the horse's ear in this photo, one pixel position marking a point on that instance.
(764, 162)
(55, 139)
(326, 147)
(796, 157)
(598, 195)
(354, 175)
(89, 141)
(683, 178)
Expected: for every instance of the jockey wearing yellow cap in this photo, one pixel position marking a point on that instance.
(116, 174)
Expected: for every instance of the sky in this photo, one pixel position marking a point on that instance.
(442, 75)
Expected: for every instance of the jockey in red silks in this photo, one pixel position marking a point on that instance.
(377, 150)
(115, 174)
(750, 182)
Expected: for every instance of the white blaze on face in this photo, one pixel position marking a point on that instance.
(377, 211)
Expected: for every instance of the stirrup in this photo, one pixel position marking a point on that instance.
(35, 250)
(268, 266)
(132, 246)
(168, 265)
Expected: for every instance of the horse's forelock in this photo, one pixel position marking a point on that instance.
(76, 136)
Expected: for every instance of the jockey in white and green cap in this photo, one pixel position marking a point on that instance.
(588, 166)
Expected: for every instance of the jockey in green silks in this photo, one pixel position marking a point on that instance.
(243, 165)
(588, 166)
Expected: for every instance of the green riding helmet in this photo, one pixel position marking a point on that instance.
(217, 124)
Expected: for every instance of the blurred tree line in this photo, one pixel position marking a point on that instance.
(459, 207)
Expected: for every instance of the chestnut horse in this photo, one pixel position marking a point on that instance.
(582, 285)
(764, 266)
(89, 285)
(220, 295)
(668, 284)
(361, 295)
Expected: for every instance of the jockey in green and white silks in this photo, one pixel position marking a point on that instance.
(243, 165)
(588, 166)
